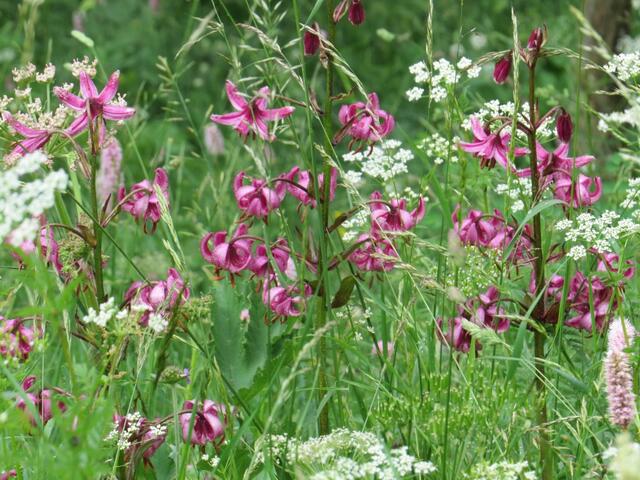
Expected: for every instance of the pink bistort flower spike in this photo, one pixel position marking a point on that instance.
(251, 116)
(375, 253)
(257, 199)
(392, 216)
(233, 255)
(619, 374)
(364, 122)
(33, 138)
(143, 203)
(109, 176)
(584, 192)
(300, 185)
(208, 425)
(491, 147)
(16, 339)
(93, 104)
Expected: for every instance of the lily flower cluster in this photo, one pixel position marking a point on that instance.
(376, 250)
(483, 310)
(256, 199)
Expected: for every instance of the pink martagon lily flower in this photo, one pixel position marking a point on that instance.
(143, 202)
(144, 440)
(455, 336)
(284, 301)
(16, 339)
(159, 297)
(374, 253)
(208, 425)
(484, 311)
(251, 116)
(558, 160)
(233, 255)
(93, 104)
(41, 399)
(393, 216)
(364, 122)
(262, 266)
(258, 199)
(34, 138)
(584, 192)
(490, 147)
(300, 185)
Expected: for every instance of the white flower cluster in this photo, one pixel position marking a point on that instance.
(384, 161)
(157, 323)
(346, 454)
(213, 461)
(108, 310)
(625, 66)
(354, 226)
(124, 438)
(494, 108)
(21, 202)
(443, 75)
(599, 233)
(438, 148)
(630, 116)
(28, 73)
(84, 65)
(518, 189)
(632, 198)
(502, 471)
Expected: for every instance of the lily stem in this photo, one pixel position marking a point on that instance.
(327, 121)
(538, 312)
(97, 230)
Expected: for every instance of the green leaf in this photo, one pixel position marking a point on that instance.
(344, 292)
(240, 346)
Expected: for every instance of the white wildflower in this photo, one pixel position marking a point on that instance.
(414, 94)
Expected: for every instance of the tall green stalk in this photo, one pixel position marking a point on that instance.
(538, 268)
(321, 320)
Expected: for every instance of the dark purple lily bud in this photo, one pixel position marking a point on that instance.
(356, 12)
(502, 69)
(564, 126)
(537, 38)
(311, 40)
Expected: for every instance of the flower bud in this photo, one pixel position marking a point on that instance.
(564, 126)
(311, 40)
(356, 12)
(537, 39)
(502, 69)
